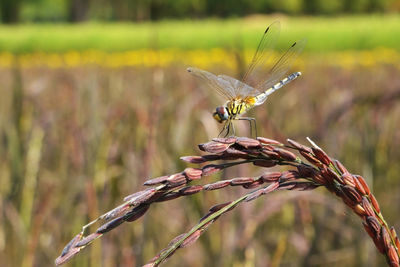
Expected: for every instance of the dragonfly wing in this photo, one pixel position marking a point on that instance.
(267, 43)
(240, 88)
(282, 66)
(223, 87)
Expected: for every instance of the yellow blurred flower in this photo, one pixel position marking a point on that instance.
(201, 58)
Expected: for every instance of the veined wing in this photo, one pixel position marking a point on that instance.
(267, 43)
(222, 86)
(282, 66)
(244, 89)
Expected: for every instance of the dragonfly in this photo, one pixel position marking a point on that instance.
(243, 95)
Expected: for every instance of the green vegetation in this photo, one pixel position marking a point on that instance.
(22, 11)
(324, 34)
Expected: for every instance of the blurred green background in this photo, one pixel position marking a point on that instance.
(95, 99)
(141, 10)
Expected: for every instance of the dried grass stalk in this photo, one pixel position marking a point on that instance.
(318, 170)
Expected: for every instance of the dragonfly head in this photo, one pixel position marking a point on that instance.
(220, 114)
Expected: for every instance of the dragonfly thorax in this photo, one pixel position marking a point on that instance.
(221, 114)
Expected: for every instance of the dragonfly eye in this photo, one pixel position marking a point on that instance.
(220, 114)
(216, 117)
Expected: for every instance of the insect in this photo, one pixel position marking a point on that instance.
(243, 95)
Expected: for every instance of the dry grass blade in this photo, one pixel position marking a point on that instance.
(318, 170)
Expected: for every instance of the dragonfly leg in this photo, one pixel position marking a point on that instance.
(228, 128)
(223, 129)
(250, 120)
(233, 128)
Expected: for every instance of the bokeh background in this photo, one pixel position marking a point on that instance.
(95, 99)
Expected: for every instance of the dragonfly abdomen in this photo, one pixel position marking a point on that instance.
(283, 82)
(263, 96)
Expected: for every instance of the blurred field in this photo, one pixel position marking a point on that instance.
(78, 137)
(324, 34)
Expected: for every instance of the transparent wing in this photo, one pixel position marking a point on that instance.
(222, 86)
(267, 43)
(282, 66)
(233, 83)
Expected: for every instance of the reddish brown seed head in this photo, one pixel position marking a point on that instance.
(268, 141)
(214, 147)
(285, 154)
(193, 173)
(271, 176)
(299, 146)
(321, 155)
(247, 142)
